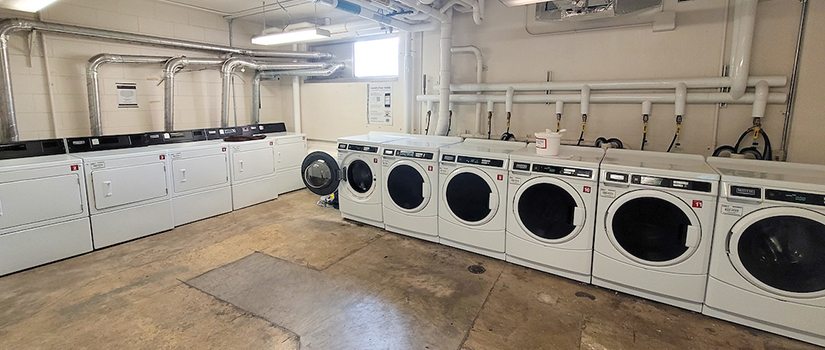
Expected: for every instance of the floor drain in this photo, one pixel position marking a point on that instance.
(476, 269)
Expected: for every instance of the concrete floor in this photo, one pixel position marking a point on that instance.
(288, 274)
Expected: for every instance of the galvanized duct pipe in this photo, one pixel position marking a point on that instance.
(270, 75)
(93, 85)
(172, 67)
(7, 27)
(228, 68)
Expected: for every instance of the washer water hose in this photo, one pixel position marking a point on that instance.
(449, 122)
(507, 136)
(559, 111)
(584, 127)
(647, 107)
(489, 124)
(585, 110)
(427, 129)
(678, 131)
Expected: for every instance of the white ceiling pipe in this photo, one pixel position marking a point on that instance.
(744, 22)
(585, 100)
(559, 107)
(445, 74)
(650, 84)
(761, 101)
(691, 98)
(681, 98)
(423, 8)
(647, 107)
(508, 100)
(479, 76)
(409, 93)
(355, 7)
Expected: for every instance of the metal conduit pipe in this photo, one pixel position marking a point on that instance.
(358, 10)
(93, 85)
(171, 68)
(228, 68)
(651, 84)
(691, 98)
(270, 75)
(8, 114)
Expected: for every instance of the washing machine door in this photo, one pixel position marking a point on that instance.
(321, 173)
(549, 209)
(470, 196)
(781, 250)
(408, 186)
(653, 228)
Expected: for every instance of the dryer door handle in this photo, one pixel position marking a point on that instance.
(183, 175)
(1, 208)
(108, 185)
(344, 174)
(240, 162)
(693, 236)
(578, 216)
(493, 202)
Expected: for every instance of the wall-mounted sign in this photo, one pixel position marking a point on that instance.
(379, 105)
(127, 95)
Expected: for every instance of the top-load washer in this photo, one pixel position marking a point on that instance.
(44, 214)
(410, 196)
(356, 175)
(552, 210)
(200, 172)
(654, 225)
(128, 186)
(472, 208)
(767, 268)
(290, 151)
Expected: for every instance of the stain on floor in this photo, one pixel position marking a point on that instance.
(288, 274)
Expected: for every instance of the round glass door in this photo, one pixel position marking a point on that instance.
(320, 173)
(408, 186)
(781, 250)
(549, 209)
(471, 196)
(653, 227)
(359, 176)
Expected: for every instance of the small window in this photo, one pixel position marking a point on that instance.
(376, 58)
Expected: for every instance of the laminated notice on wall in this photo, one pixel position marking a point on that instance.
(379, 105)
(127, 95)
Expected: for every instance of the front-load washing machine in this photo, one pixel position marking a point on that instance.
(552, 209)
(290, 151)
(356, 175)
(472, 208)
(767, 268)
(44, 214)
(410, 170)
(654, 225)
(128, 186)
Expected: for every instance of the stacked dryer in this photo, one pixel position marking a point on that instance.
(290, 151)
(128, 185)
(43, 212)
(473, 177)
(768, 265)
(552, 210)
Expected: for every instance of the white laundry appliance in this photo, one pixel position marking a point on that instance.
(200, 175)
(767, 268)
(552, 210)
(128, 185)
(356, 174)
(410, 195)
(44, 215)
(254, 173)
(654, 225)
(290, 151)
(472, 209)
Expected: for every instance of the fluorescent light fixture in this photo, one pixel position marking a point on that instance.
(376, 58)
(25, 5)
(296, 36)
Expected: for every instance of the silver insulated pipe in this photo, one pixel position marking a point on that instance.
(172, 67)
(269, 75)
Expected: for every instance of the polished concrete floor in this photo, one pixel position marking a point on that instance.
(288, 274)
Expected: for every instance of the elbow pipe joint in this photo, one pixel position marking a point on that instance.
(761, 99)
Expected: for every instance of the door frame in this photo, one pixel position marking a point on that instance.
(579, 224)
(426, 191)
(494, 195)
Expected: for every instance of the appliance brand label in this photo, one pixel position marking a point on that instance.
(176, 155)
(607, 193)
(98, 165)
(731, 210)
(515, 180)
(444, 170)
(385, 162)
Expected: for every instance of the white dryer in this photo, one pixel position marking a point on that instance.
(767, 270)
(44, 215)
(356, 174)
(290, 151)
(552, 210)
(254, 173)
(128, 185)
(654, 225)
(200, 175)
(472, 208)
(410, 196)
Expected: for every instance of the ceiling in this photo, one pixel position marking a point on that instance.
(278, 15)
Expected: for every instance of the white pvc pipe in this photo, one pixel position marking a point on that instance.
(296, 99)
(559, 107)
(479, 76)
(430, 106)
(508, 102)
(409, 94)
(681, 97)
(761, 100)
(585, 100)
(650, 84)
(445, 73)
(647, 107)
(741, 44)
(692, 98)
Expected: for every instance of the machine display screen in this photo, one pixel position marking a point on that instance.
(795, 197)
(414, 154)
(521, 166)
(651, 181)
(370, 149)
(498, 163)
(549, 169)
(448, 158)
(747, 192)
(671, 183)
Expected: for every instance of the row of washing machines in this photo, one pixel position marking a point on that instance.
(735, 239)
(64, 197)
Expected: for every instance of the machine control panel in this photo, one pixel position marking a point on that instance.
(448, 158)
(566, 171)
(368, 149)
(795, 197)
(616, 177)
(521, 166)
(342, 146)
(656, 181)
(414, 154)
(746, 192)
(25, 149)
(496, 163)
(389, 152)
